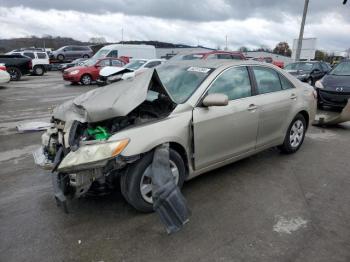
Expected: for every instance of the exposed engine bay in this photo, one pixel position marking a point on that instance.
(86, 144)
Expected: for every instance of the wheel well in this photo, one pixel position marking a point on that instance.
(306, 116)
(86, 74)
(182, 152)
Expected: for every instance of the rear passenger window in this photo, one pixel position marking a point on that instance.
(267, 80)
(224, 56)
(41, 55)
(286, 84)
(234, 83)
(29, 54)
(117, 63)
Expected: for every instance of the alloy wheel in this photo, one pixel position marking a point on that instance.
(146, 181)
(296, 133)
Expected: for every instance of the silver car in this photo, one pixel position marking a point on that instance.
(71, 52)
(211, 113)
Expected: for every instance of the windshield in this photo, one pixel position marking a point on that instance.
(187, 57)
(101, 53)
(342, 69)
(135, 64)
(90, 62)
(299, 66)
(182, 80)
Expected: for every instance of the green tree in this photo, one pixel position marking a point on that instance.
(243, 49)
(282, 48)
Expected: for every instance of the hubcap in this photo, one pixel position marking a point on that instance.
(13, 74)
(39, 71)
(146, 181)
(296, 133)
(86, 80)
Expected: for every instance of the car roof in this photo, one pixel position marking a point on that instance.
(215, 63)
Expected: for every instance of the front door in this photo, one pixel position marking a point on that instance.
(222, 132)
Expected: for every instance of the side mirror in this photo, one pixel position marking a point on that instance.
(215, 99)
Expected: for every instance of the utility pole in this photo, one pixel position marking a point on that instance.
(226, 43)
(301, 34)
(122, 35)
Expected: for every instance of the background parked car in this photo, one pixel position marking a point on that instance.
(269, 60)
(210, 55)
(16, 65)
(334, 88)
(71, 52)
(308, 72)
(142, 64)
(76, 62)
(4, 76)
(89, 72)
(40, 60)
(127, 52)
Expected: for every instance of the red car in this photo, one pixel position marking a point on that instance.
(90, 71)
(270, 61)
(211, 55)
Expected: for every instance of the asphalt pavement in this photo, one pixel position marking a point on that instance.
(268, 207)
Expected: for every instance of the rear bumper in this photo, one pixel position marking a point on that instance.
(332, 99)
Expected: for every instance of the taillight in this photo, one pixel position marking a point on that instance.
(30, 65)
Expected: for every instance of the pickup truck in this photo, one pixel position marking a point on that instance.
(16, 65)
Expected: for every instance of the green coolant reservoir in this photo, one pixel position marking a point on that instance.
(99, 133)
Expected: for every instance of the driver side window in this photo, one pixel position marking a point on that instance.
(234, 83)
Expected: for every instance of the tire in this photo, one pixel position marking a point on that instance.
(86, 79)
(130, 181)
(86, 56)
(38, 70)
(292, 143)
(14, 73)
(60, 57)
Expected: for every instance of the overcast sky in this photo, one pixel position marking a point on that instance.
(250, 23)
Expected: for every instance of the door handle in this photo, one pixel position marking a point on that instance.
(252, 107)
(293, 96)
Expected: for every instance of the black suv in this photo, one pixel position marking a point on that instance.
(308, 72)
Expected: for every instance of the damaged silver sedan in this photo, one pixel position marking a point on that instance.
(211, 113)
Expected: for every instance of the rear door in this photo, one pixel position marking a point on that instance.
(222, 132)
(275, 99)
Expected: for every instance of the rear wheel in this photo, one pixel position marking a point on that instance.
(38, 70)
(60, 57)
(136, 183)
(85, 80)
(14, 73)
(295, 135)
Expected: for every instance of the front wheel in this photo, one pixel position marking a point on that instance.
(86, 80)
(295, 135)
(136, 182)
(14, 73)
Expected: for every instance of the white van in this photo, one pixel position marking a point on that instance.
(131, 51)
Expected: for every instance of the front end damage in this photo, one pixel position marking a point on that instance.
(79, 147)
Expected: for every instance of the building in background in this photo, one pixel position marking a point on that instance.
(308, 49)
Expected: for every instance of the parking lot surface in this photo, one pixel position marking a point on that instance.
(269, 207)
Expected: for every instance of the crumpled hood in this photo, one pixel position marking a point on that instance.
(117, 99)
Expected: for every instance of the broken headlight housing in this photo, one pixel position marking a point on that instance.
(88, 155)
